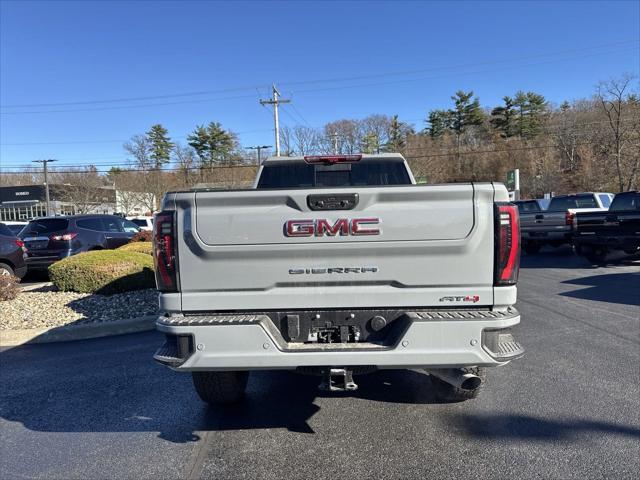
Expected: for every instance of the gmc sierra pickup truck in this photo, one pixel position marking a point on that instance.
(595, 234)
(553, 225)
(337, 265)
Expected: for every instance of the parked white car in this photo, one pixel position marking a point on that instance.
(145, 223)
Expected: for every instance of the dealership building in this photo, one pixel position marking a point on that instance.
(29, 201)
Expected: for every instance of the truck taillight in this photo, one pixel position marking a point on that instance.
(164, 252)
(568, 218)
(507, 244)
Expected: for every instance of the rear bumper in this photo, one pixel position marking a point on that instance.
(546, 236)
(435, 339)
(42, 262)
(619, 242)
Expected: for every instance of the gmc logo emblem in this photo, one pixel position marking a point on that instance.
(324, 228)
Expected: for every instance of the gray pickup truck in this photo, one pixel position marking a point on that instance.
(335, 266)
(553, 226)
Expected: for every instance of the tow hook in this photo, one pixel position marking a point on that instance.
(337, 380)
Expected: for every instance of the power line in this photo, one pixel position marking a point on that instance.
(325, 80)
(360, 77)
(409, 157)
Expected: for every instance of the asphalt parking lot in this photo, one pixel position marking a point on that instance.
(569, 409)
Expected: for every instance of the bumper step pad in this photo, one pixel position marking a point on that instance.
(168, 354)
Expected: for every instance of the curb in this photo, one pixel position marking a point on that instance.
(13, 338)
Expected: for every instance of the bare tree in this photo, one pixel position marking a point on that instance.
(186, 162)
(305, 140)
(286, 141)
(620, 107)
(83, 187)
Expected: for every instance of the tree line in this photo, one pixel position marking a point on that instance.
(584, 144)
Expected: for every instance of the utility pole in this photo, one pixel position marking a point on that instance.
(334, 137)
(275, 101)
(259, 148)
(46, 181)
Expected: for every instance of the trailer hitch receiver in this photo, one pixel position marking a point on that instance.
(337, 380)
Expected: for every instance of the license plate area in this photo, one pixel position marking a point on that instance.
(36, 243)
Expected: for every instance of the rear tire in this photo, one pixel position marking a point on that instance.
(595, 255)
(445, 392)
(6, 270)
(220, 388)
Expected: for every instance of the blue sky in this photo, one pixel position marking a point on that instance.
(72, 52)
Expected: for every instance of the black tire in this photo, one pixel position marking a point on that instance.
(6, 270)
(531, 248)
(595, 255)
(445, 392)
(219, 388)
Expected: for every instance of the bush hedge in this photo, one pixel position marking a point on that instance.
(140, 247)
(104, 272)
(9, 288)
(142, 236)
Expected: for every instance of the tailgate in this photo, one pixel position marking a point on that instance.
(268, 249)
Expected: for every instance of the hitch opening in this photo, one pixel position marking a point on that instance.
(337, 380)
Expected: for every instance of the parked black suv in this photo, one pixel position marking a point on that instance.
(50, 239)
(11, 253)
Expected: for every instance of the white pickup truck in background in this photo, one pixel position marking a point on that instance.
(335, 265)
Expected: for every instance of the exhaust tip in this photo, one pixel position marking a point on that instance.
(471, 383)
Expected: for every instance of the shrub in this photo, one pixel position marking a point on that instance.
(104, 272)
(142, 236)
(9, 288)
(140, 247)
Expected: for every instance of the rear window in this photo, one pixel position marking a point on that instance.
(46, 225)
(525, 207)
(626, 201)
(573, 201)
(303, 175)
(605, 200)
(4, 230)
(139, 221)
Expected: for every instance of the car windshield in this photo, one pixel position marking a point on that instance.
(140, 222)
(573, 201)
(303, 175)
(45, 225)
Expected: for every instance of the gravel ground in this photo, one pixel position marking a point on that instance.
(46, 307)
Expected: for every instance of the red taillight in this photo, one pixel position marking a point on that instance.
(331, 159)
(164, 252)
(568, 218)
(66, 237)
(20, 243)
(507, 244)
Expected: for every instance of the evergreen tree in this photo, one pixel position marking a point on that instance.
(370, 143)
(531, 108)
(439, 122)
(466, 111)
(160, 145)
(398, 132)
(503, 118)
(212, 144)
